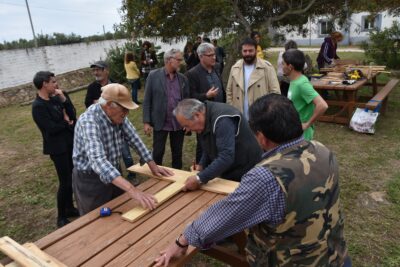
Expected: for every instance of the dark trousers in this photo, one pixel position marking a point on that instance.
(127, 157)
(64, 166)
(176, 144)
(90, 192)
(199, 149)
(135, 84)
(284, 88)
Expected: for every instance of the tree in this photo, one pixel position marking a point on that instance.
(176, 19)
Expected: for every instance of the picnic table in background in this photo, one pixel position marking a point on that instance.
(343, 98)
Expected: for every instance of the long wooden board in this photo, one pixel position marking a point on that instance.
(22, 255)
(35, 249)
(216, 185)
(162, 196)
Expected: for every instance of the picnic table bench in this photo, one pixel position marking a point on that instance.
(382, 96)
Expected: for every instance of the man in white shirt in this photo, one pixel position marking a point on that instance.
(250, 78)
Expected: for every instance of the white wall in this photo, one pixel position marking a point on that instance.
(18, 66)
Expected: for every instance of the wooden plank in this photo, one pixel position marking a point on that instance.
(87, 219)
(162, 196)
(143, 227)
(217, 185)
(32, 247)
(82, 244)
(22, 255)
(143, 252)
(383, 93)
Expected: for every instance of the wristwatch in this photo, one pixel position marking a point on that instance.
(179, 243)
(198, 179)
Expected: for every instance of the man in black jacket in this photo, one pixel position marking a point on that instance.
(55, 116)
(205, 81)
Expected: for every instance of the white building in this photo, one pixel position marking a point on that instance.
(360, 25)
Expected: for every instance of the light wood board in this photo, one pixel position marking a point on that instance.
(40, 253)
(22, 255)
(162, 196)
(216, 185)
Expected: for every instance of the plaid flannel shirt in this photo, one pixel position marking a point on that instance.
(98, 143)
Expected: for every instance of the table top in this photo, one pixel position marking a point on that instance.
(92, 240)
(323, 84)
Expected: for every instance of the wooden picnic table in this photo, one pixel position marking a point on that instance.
(92, 240)
(343, 96)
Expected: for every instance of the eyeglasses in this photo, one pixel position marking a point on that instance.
(123, 109)
(209, 55)
(178, 59)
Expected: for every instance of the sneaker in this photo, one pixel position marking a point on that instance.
(62, 222)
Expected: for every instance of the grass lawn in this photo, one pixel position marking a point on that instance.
(369, 166)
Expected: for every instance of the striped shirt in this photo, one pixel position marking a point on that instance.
(98, 143)
(259, 198)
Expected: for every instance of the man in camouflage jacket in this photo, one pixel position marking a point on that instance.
(290, 200)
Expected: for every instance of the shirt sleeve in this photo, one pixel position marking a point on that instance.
(259, 198)
(307, 92)
(225, 132)
(134, 140)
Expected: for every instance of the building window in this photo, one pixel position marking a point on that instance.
(325, 27)
(370, 23)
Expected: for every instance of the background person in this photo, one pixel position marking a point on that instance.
(55, 116)
(165, 87)
(257, 37)
(132, 75)
(284, 80)
(306, 100)
(250, 78)
(327, 53)
(148, 59)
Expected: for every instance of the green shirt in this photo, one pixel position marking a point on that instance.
(302, 94)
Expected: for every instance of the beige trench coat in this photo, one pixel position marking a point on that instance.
(263, 80)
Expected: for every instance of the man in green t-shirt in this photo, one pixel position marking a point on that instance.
(308, 103)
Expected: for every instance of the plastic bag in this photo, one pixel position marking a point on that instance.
(363, 121)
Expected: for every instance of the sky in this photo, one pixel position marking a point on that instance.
(82, 17)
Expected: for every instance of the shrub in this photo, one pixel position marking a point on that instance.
(115, 59)
(384, 46)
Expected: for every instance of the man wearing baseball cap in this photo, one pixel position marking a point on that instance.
(99, 136)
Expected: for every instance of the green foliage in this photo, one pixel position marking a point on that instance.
(116, 55)
(60, 39)
(384, 46)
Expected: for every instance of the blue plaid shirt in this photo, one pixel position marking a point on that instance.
(259, 198)
(98, 143)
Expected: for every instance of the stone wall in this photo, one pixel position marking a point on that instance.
(27, 92)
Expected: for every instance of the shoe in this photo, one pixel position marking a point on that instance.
(72, 212)
(62, 222)
(138, 102)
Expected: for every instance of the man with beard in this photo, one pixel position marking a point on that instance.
(250, 78)
(165, 87)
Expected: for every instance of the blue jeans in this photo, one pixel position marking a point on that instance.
(135, 84)
(127, 157)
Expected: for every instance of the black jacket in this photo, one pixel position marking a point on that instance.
(56, 132)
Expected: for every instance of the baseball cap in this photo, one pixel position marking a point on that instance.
(119, 94)
(100, 64)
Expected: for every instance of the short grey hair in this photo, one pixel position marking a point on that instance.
(170, 54)
(103, 102)
(203, 48)
(187, 107)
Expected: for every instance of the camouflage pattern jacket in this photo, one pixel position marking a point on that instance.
(311, 233)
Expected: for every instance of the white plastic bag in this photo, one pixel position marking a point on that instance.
(363, 121)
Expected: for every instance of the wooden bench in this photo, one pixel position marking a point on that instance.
(382, 96)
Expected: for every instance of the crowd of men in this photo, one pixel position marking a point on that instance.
(288, 194)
